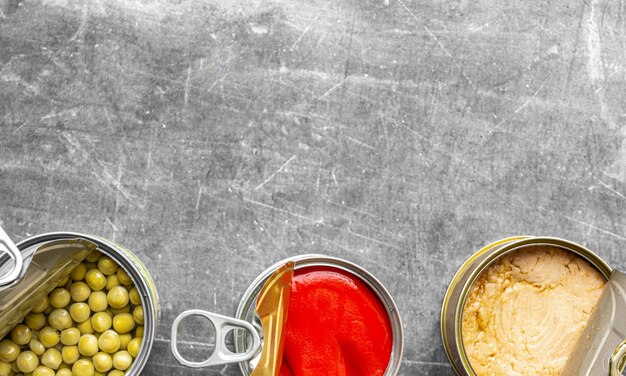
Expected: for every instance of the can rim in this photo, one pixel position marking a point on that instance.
(130, 263)
(306, 260)
(508, 245)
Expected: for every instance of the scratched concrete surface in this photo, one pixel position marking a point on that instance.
(214, 138)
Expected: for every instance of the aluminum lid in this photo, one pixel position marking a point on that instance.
(29, 274)
(601, 347)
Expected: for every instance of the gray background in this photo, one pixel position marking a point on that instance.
(214, 138)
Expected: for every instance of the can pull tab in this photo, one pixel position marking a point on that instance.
(616, 361)
(11, 261)
(221, 354)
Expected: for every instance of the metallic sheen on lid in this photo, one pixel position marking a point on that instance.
(601, 348)
(44, 266)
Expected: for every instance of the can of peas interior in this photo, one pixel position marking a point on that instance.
(456, 297)
(52, 267)
(311, 262)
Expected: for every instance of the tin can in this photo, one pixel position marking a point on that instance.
(247, 327)
(462, 282)
(50, 257)
(246, 309)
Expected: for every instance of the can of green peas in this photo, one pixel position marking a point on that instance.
(74, 305)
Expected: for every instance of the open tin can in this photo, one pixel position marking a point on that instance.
(600, 349)
(248, 331)
(35, 266)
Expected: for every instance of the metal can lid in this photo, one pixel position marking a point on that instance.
(44, 265)
(599, 350)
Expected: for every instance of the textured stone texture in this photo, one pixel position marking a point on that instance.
(214, 138)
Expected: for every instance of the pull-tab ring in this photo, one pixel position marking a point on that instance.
(221, 354)
(616, 361)
(9, 248)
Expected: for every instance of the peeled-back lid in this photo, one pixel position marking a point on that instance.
(601, 348)
(29, 275)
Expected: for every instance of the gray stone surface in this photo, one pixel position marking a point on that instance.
(214, 138)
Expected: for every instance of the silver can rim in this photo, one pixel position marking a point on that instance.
(245, 310)
(491, 253)
(132, 265)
